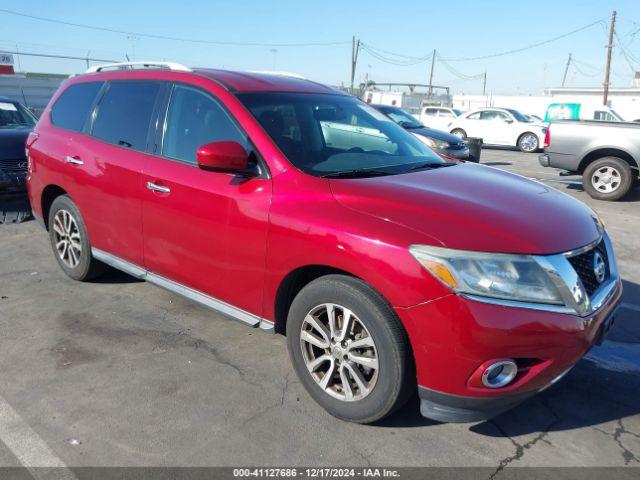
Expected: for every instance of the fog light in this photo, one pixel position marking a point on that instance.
(499, 374)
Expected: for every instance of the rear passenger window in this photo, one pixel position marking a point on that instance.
(72, 108)
(125, 112)
(194, 119)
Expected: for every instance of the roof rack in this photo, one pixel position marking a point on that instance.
(280, 73)
(140, 65)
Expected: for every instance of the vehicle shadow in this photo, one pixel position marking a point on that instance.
(112, 275)
(603, 387)
(576, 184)
(496, 164)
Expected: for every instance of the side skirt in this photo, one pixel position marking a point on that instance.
(205, 300)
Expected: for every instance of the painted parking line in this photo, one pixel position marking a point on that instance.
(29, 448)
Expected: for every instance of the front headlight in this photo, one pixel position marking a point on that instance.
(434, 143)
(505, 276)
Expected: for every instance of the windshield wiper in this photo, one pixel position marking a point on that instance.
(357, 173)
(420, 166)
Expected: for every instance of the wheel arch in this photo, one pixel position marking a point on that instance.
(49, 194)
(293, 283)
(594, 155)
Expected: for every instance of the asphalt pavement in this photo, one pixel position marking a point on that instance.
(121, 373)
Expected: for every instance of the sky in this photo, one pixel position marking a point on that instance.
(410, 30)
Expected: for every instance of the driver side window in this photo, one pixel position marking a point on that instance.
(194, 119)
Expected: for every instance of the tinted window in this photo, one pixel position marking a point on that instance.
(474, 116)
(72, 108)
(195, 119)
(124, 113)
(431, 111)
(493, 115)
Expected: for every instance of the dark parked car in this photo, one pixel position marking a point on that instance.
(16, 121)
(444, 142)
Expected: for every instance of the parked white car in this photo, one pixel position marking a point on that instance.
(500, 126)
(437, 117)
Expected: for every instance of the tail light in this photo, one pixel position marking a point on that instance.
(547, 137)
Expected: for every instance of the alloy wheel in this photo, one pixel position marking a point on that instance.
(339, 352)
(68, 242)
(529, 143)
(606, 179)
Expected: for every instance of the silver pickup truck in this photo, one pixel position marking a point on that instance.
(606, 154)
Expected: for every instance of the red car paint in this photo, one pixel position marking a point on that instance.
(267, 228)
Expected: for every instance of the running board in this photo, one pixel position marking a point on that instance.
(205, 300)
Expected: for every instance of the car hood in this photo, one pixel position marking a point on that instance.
(437, 134)
(474, 207)
(12, 143)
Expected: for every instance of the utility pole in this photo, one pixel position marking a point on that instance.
(484, 85)
(355, 48)
(566, 70)
(433, 61)
(607, 70)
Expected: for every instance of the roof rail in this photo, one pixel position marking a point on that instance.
(280, 73)
(133, 65)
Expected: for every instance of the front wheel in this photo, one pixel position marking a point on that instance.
(608, 178)
(349, 349)
(528, 142)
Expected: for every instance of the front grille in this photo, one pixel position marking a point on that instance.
(584, 265)
(14, 165)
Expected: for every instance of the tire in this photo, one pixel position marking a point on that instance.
(528, 142)
(66, 225)
(372, 321)
(458, 132)
(608, 178)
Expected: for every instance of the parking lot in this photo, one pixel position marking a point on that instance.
(119, 372)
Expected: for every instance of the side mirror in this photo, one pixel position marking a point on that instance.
(229, 157)
(508, 120)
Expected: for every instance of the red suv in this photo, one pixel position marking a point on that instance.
(299, 209)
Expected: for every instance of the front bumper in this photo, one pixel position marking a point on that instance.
(453, 336)
(11, 182)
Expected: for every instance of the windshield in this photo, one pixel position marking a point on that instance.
(519, 116)
(401, 117)
(13, 115)
(326, 135)
(457, 112)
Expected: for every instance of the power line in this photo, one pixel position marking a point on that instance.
(66, 57)
(167, 37)
(400, 59)
(528, 47)
(457, 73)
(401, 62)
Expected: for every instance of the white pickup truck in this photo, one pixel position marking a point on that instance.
(606, 154)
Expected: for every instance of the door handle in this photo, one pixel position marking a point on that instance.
(74, 160)
(158, 188)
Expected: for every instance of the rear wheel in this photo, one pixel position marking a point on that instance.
(70, 241)
(528, 142)
(608, 178)
(349, 349)
(458, 132)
